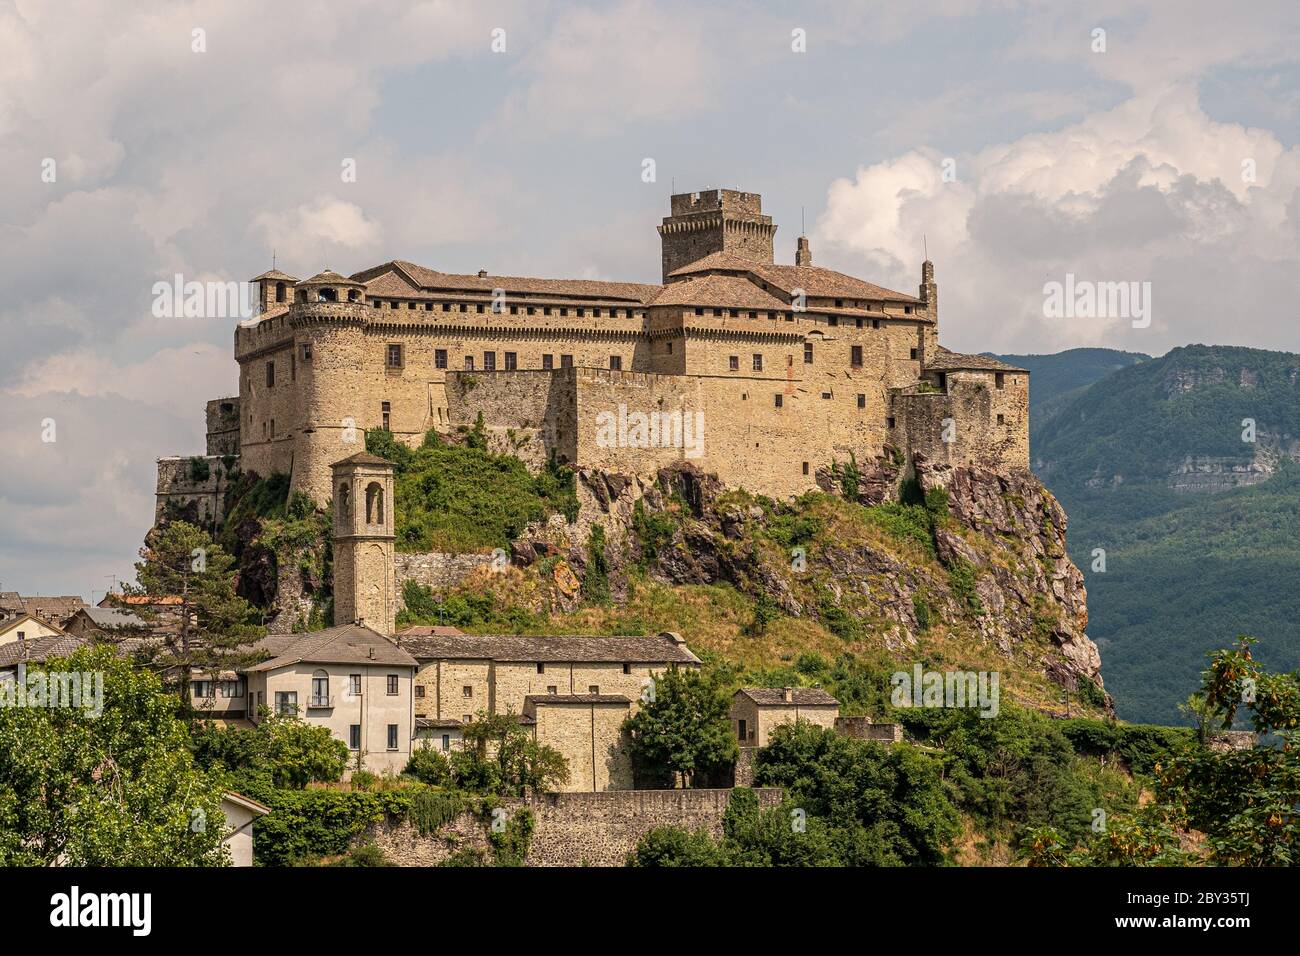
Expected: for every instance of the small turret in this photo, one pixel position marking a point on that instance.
(929, 293)
(802, 254)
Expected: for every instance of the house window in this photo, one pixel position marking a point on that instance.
(733, 363)
(320, 689)
(200, 688)
(807, 353)
(467, 718)
(593, 688)
(780, 400)
(467, 691)
(439, 358)
(392, 685)
(270, 375)
(855, 356)
(862, 400)
(469, 363)
(394, 356)
(489, 361)
(354, 685)
(354, 737)
(232, 688)
(826, 395)
(512, 361)
(392, 736)
(805, 467)
(758, 361)
(548, 362)
(419, 692)
(616, 363)
(552, 689)
(386, 412)
(446, 742)
(907, 309)
(286, 703)
(999, 380)
(740, 730)
(566, 361)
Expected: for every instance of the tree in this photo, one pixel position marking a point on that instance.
(501, 756)
(119, 788)
(284, 751)
(216, 625)
(682, 730)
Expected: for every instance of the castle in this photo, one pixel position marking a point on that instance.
(763, 374)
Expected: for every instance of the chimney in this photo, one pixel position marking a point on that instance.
(674, 637)
(802, 254)
(482, 273)
(788, 693)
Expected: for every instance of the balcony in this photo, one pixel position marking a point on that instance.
(319, 703)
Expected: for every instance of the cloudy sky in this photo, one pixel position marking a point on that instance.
(1170, 157)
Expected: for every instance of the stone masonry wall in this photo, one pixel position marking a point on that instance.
(573, 829)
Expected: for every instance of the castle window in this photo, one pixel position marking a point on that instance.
(327, 295)
(907, 309)
(469, 363)
(839, 303)
(552, 690)
(546, 311)
(789, 361)
(875, 323)
(699, 311)
(807, 353)
(531, 310)
(855, 356)
(627, 668)
(780, 400)
(548, 361)
(293, 366)
(272, 427)
(912, 354)
(999, 380)
(386, 412)
(566, 361)
(392, 685)
(374, 503)
(467, 691)
(1002, 420)
(670, 348)
(753, 315)
(279, 292)
(446, 307)
(270, 374)
(593, 688)
(805, 467)
(306, 351)
(826, 395)
(596, 312)
(564, 310)
(733, 363)
(541, 668)
(345, 507)
(264, 431)
(758, 361)
(512, 361)
(428, 307)
(393, 357)
(489, 361)
(616, 363)
(858, 323)
(514, 310)
(479, 308)
(832, 320)
(464, 307)
(862, 400)
(889, 422)
(439, 358)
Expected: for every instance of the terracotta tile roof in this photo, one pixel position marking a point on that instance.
(814, 280)
(344, 644)
(40, 649)
(801, 697)
(731, 292)
(429, 280)
(568, 649)
(956, 361)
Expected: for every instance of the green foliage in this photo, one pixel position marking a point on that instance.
(961, 578)
(676, 847)
(510, 844)
(766, 611)
(117, 787)
(850, 478)
(282, 751)
(500, 756)
(654, 532)
(683, 730)
(308, 824)
(921, 608)
(843, 624)
(1140, 746)
(199, 470)
(906, 522)
(382, 442)
(367, 854)
(466, 611)
(428, 766)
(880, 805)
(463, 498)
(595, 576)
(431, 810)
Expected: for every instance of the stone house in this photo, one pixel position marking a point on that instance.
(757, 711)
(54, 609)
(27, 628)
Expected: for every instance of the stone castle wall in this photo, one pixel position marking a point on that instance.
(184, 495)
(961, 425)
(572, 829)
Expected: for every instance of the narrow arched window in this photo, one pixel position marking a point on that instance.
(320, 689)
(345, 503)
(279, 292)
(374, 503)
(328, 295)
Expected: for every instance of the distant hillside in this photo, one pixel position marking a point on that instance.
(1056, 378)
(1201, 529)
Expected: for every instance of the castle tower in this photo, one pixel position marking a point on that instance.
(720, 220)
(802, 254)
(929, 290)
(365, 588)
(274, 288)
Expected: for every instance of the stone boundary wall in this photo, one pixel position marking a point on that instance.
(573, 829)
(199, 502)
(438, 570)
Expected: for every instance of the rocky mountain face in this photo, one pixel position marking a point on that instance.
(995, 569)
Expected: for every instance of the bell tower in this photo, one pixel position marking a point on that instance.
(364, 580)
(719, 220)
